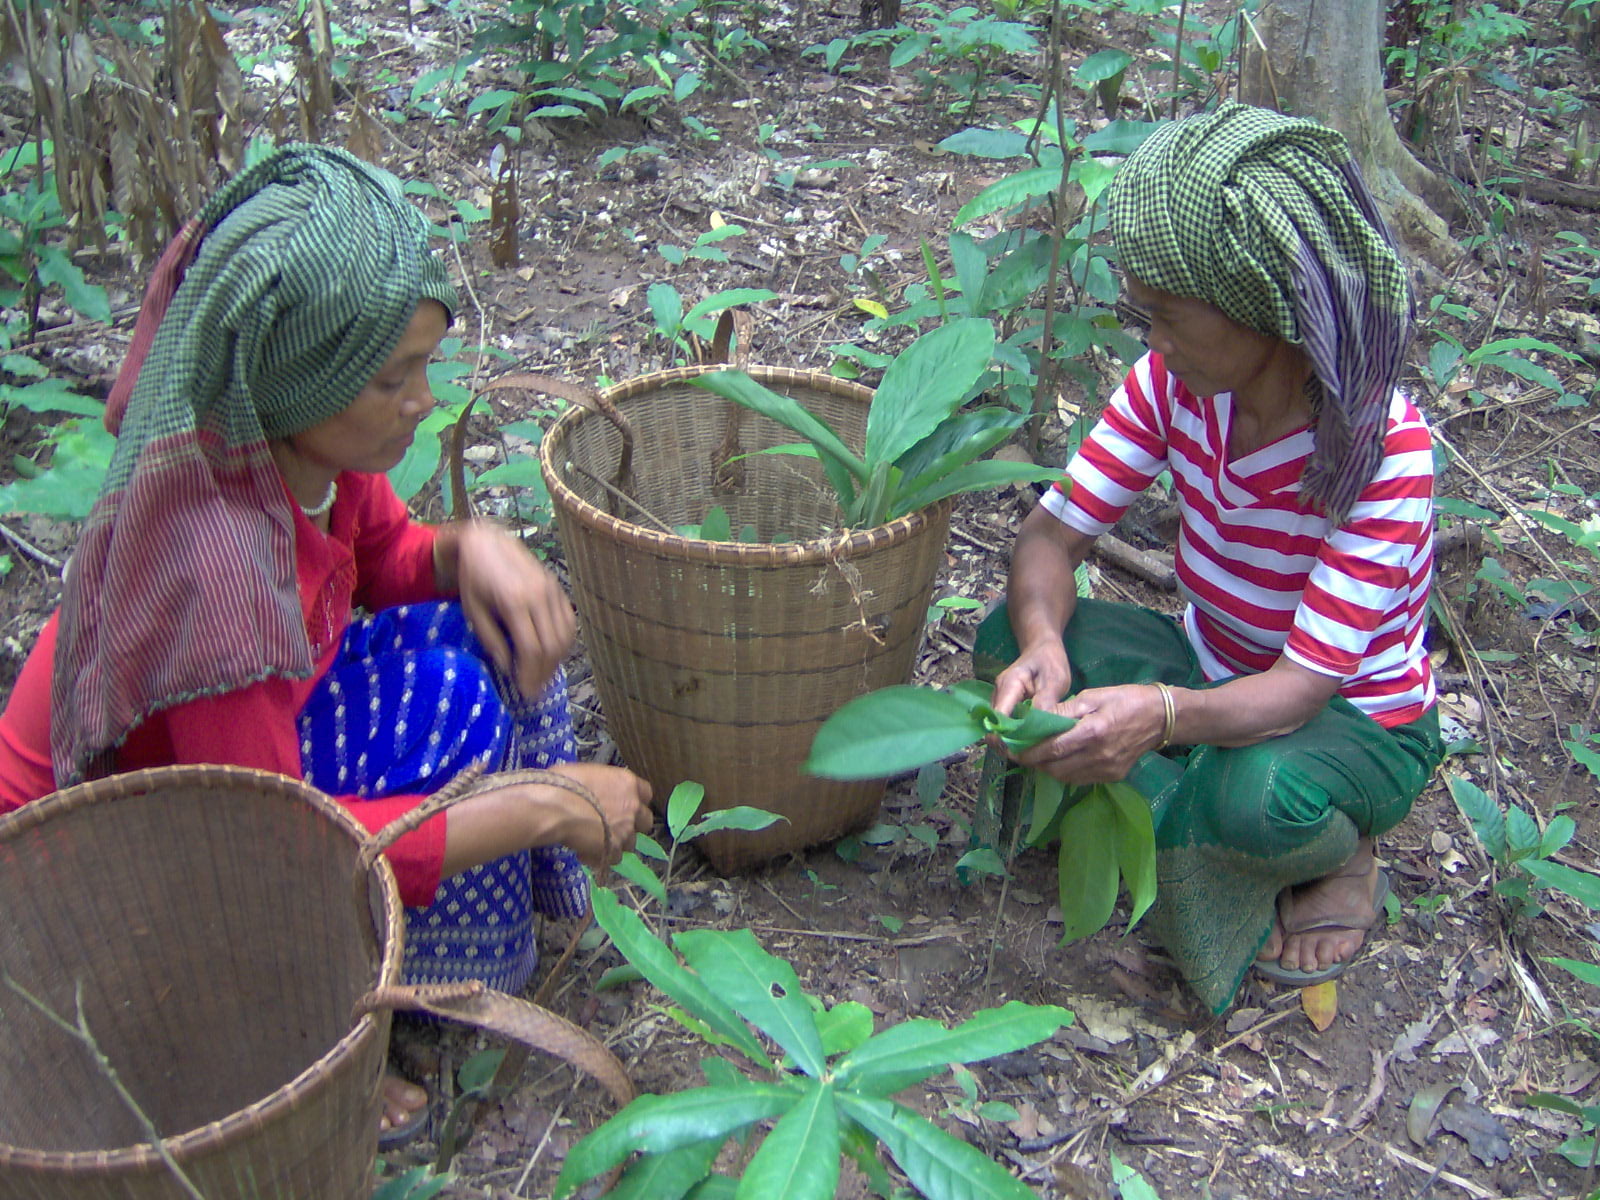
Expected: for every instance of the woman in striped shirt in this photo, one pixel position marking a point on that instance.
(1290, 718)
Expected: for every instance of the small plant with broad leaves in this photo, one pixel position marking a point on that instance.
(921, 445)
(417, 1183)
(827, 1088)
(1520, 850)
(1105, 830)
(682, 807)
(675, 327)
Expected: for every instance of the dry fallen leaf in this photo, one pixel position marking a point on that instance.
(1424, 1107)
(1320, 1003)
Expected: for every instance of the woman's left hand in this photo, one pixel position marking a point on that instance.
(1115, 726)
(513, 603)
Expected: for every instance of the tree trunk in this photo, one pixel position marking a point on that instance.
(1323, 59)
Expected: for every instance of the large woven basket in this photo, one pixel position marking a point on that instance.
(223, 936)
(717, 661)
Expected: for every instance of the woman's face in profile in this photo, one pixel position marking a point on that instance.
(1199, 343)
(374, 432)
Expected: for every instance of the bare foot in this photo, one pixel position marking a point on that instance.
(401, 1102)
(1324, 922)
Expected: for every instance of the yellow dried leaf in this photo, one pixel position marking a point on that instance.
(1321, 1003)
(717, 219)
(872, 307)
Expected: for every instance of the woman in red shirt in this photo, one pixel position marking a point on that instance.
(278, 369)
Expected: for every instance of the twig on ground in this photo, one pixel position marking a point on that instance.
(28, 548)
(544, 1140)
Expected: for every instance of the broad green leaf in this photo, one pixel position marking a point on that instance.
(666, 305)
(716, 527)
(422, 457)
(1130, 1184)
(1009, 192)
(1087, 871)
(1522, 832)
(648, 847)
(799, 1159)
(668, 1176)
(1444, 357)
(682, 805)
(973, 477)
(985, 860)
(971, 266)
(1557, 834)
(1488, 822)
(1588, 972)
(787, 411)
(740, 816)
(660, 966)
(1094, 177)
(1464, 508)
(67, 490)
(1016, 277)
(1103, 64)
(1048, 794)
(1584, 757)
(53, 266)
(1029, 726)
(632, 868)
(761, 987)
(1581, 886)
(844, 1027)
(1501, 345)
(987, 143)
(1556, 1103)
(1136, 846)
(1579, 1151)
(909, 1052)
(939, 1166)
(923, 386)
(1119, 137)
(962, 438)
(659, 1124)
(731, 298)
(892, 730)
(493, 98)
(51, 396)
(519, 472)
(718, 1187)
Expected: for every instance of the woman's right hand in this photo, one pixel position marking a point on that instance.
(1041, 674)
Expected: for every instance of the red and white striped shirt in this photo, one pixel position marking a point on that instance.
(1265, 574)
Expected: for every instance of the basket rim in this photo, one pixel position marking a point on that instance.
(220, 1134)
(844, 543)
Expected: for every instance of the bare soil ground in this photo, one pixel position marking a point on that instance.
(1449, 998)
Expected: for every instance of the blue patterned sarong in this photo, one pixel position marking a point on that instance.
(411, 700)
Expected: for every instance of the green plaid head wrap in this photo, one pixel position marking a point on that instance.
(1267, 218)
(311, 267)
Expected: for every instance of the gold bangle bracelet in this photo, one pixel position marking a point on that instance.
(1169, 711)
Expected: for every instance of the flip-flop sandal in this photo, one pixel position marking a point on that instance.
(1271, 969)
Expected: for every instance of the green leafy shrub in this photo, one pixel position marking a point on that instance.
(828, 1094)
(921, 446)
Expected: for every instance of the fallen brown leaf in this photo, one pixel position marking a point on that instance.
(1321, 1003)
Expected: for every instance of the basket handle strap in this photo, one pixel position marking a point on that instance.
(733, 332)
(510, 1018)
(583, 396)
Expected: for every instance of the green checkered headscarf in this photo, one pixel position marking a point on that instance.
(1267, 218)
(268, 315)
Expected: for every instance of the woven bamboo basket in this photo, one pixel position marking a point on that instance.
(717, 661)
(232, 950)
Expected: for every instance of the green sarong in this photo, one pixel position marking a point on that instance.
(1235, 826)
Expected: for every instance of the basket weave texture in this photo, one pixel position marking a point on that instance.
(717, 661)
(211, 921)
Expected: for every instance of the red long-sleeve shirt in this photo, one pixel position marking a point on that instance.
(374, 556)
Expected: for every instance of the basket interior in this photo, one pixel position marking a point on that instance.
(214, 942)
(680, 433)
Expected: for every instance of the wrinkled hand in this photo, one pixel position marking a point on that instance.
(1040, 674)
(1115, 726)
(514, 605)
(624, 800)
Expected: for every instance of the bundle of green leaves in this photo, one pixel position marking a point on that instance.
(1105, 830)
(921, 444)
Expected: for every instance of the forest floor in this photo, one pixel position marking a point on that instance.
(1451, 1003)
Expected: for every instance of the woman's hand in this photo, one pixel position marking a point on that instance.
(519, 816)
(514, 604)
(1115, 726)
(1040, 674)
(624, 800)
